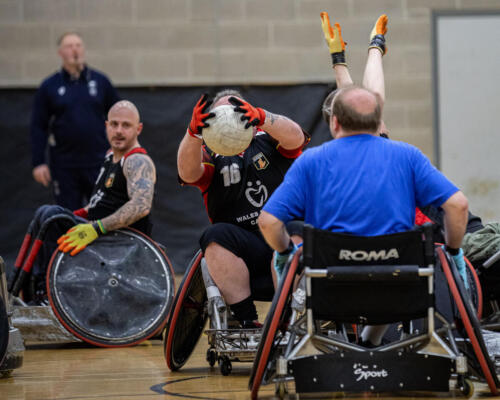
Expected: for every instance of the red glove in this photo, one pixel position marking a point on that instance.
(254, 115)
(81, 212)
(199, 117)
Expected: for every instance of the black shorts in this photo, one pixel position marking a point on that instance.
(251, 247)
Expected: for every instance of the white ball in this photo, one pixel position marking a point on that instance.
(227, 134)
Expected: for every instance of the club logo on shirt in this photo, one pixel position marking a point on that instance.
(61, 91)
(96, 198)
(109, 180)
(92, 88)
(257, 195)
(260, 161)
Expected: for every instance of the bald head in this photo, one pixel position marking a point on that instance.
(357, 110)
(125, 105)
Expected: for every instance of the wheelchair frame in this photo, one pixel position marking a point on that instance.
(42, 324)
(492, 321)
(192, 308)
(290, 332)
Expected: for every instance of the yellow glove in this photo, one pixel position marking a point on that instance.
(78, 237)
(333, 37)
(377, 38)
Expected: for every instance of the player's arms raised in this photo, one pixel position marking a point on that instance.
(373, 77)
(190, 153)
(336, 45)
(287, 132)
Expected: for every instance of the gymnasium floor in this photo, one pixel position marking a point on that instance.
(78, 372)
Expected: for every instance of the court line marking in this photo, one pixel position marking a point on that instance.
(160, 388)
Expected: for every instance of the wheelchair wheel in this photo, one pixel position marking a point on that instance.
(117, 292)
(477, 293)
(4, 329)
(188, 316)
(274, 321)
(470, 322)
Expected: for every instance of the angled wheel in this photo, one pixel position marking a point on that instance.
(117, 292)
(188, 316)
(470, 321)
(476, 291)
(274, 322)
(4, 329)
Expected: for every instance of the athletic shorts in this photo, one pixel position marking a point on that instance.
(251, 247)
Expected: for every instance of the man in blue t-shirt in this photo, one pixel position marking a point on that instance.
(360, 183)
(69, 111)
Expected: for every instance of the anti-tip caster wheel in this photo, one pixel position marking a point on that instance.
(466, 387)
(225, 366)
(211, 357)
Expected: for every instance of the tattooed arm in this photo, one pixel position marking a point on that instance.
(140, 173)
(287, 132)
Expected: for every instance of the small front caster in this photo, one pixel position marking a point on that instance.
(211, 356)
(225, 365)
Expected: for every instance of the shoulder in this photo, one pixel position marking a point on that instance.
(312, 153)
(402, 149)
(96, 74)
(51, 80)
(138, 163)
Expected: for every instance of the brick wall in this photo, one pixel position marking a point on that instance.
(188, 42)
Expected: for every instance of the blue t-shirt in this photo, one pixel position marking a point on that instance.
(363, 184)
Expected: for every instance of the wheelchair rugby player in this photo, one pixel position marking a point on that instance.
(109, 283)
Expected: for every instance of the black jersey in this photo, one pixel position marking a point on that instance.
(236, 188)
(110, 192)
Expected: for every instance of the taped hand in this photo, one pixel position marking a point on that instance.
(200, 116)
(77, 238)
(333, 38)
(377, 38)
(280, 259)
(254, 116)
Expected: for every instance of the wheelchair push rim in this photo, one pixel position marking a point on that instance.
(470, 322)
(271, 325)
(188, 316)
(116, 293)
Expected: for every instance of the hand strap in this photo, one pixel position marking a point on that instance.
(378, 42)
(338, 58)
(99, 227)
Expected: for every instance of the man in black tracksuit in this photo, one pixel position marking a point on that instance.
(69, 111)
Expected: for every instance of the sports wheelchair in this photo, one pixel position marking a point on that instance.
(489, 276)
(310, 334)
(11, 341)
(198, 300)
(115, 293)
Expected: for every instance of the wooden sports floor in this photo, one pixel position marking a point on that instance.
(78, 372)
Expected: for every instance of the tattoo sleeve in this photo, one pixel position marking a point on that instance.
(273, 118)
(140, 173)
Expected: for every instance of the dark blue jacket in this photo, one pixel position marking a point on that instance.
(72, 112)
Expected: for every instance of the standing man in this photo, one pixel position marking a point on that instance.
(362, 184)
(68, 113)
(234, 190)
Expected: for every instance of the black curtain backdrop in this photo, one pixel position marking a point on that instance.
(179, 215)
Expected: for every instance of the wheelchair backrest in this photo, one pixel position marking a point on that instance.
(371, 280)
(324, 248)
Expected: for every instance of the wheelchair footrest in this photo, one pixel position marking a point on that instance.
(371, 372)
